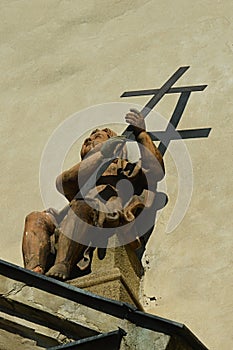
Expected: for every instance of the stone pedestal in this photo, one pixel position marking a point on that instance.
(116, 275)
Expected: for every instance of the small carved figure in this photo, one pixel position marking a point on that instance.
(46, 233)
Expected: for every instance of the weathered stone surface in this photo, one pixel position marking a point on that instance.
(31, 335)
(9, 340)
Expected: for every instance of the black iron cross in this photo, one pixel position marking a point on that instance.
(185, 91)
(163, 136)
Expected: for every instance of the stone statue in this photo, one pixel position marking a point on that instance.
(45, 233)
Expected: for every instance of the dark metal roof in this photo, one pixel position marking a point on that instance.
(115, 308)
(111, 340)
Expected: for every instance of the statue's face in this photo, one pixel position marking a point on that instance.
(96, 137)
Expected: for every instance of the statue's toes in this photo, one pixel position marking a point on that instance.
(61, 276)
(58, 271)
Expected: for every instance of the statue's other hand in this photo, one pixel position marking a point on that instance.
(112, 146)
(136, 119)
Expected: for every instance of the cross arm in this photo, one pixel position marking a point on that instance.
(180, 134)
(170, 91)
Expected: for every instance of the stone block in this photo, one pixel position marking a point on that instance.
(116, 276)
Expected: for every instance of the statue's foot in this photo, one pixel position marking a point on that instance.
(59, 271)
(38, 269)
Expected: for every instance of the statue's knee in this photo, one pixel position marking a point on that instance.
(39, 223)
(38, 219)
(33, 216)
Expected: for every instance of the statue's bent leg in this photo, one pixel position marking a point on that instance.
(70, 250)
(36, 240)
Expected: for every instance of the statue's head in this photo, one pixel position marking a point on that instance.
(96, 137)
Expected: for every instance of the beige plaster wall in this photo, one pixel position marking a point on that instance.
(58, 57)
